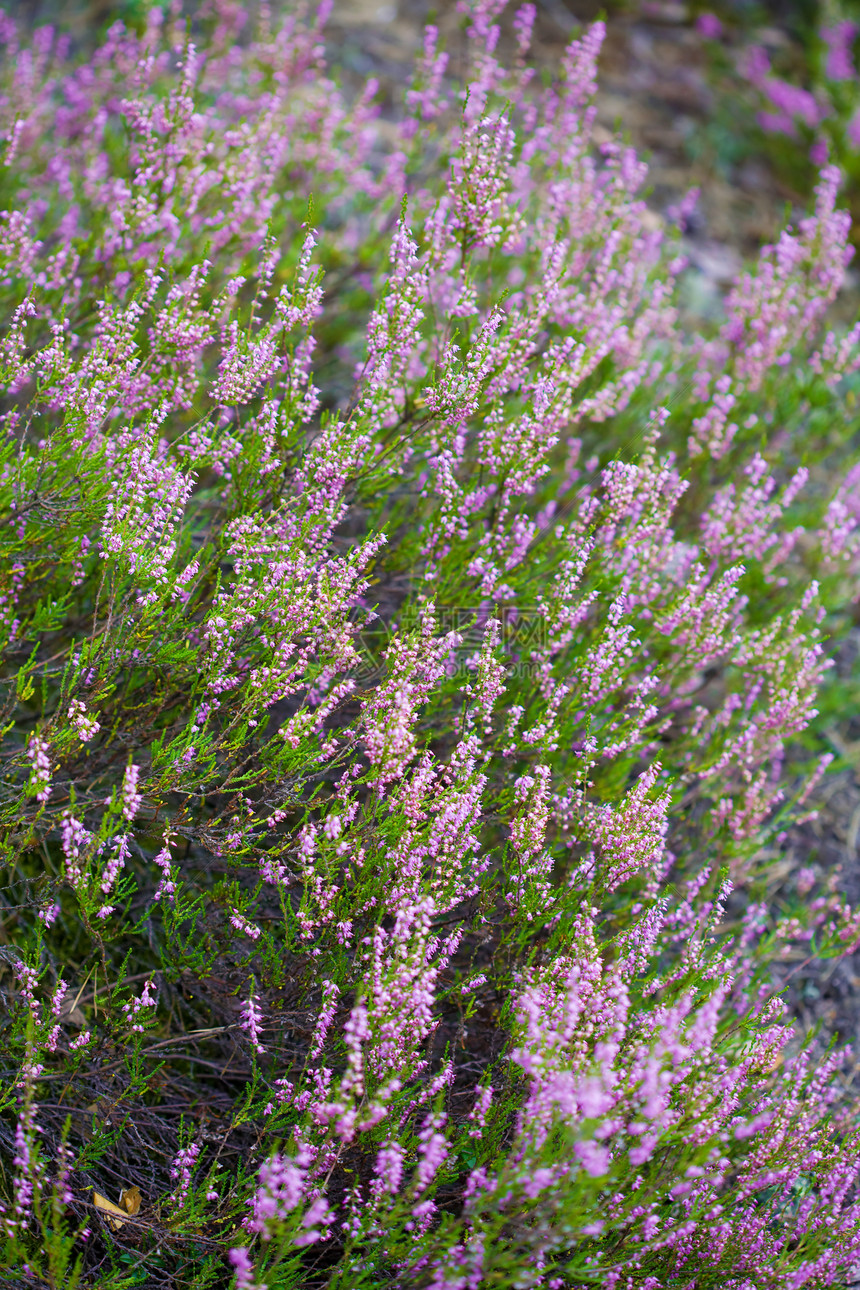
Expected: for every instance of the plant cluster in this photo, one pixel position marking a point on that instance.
(413, 644)
(804, 92)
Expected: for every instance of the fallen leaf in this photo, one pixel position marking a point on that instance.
(108, 1207)
(130, 1200)
(71, 1013)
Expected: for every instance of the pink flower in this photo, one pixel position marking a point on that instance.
(131, 797)
(182, 1169)
(839, 40)
(709, 26)
(819, 153)
(593, 1158)
(244, 1269)
(791, 101)
(280, 1190)
(250, 1022)
(756, 64)
(852, 130)
(40, 774)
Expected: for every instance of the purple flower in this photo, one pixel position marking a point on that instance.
(472, 453)
(281, 1183)
(852, 130)
(181, 1170)
(756, 64)
(819, 153)
(250, 1021)
(131, 798)
(709, 26)
(839, 40)
(777, 123)
(791, 101)
(40, 774)
(244, 1270)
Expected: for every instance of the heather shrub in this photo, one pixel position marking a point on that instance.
(804, 94)
(414, 646)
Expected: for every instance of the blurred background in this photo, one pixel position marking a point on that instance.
(690, 85)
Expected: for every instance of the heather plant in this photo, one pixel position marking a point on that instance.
(414, 651)
(804, 96)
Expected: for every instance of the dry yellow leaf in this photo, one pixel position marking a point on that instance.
(72, 1014)
(108, 1208)
(130, 1200)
